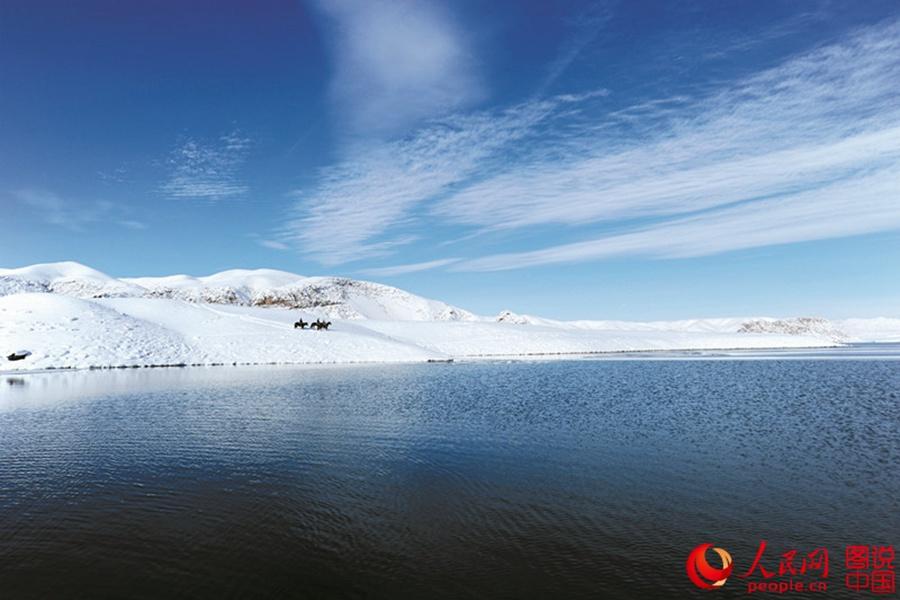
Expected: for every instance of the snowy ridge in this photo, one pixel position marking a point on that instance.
(237, 286)
(325, 297)
(342, 298)
(508, 316)
(68, 278)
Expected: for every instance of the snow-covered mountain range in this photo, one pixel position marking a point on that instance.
(69, 315)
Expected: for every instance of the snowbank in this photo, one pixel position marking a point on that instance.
(62, 331)
(472, 340)
(69, 332)
(870, 330)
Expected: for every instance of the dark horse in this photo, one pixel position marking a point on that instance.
(301, 324)
(320, 324)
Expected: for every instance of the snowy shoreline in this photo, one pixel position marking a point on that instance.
(72, 317)
(536, 356)
(66, 332)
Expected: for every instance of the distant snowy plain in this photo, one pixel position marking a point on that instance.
(71, 316)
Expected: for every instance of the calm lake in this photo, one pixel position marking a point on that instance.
(562, 479)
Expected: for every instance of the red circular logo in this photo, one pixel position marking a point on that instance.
(704, 575)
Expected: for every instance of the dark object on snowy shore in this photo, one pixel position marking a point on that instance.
(21, 354)
(320, 324)
(301, 324)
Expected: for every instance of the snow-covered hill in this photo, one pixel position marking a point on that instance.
(62, 331)
(326, 297)
(798, 326)
(68, 315)
(237, 286)
(67, 278)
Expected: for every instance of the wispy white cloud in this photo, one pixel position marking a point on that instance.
(116, 175)
(737, 43)
(865, 204)
(132, 224)
(796, 142)
(273, 245)
(207, 170)
(586, 26)
(408, 268)
(358, 200)
(829, 115)
(51, 207)
(73, 215)
(397, 62)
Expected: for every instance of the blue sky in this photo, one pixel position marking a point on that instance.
(634, 160)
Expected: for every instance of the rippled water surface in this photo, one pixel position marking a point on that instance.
(566, 479)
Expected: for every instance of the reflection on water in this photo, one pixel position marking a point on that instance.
(580, 478)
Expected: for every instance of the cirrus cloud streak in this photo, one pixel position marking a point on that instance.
(808, 149)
